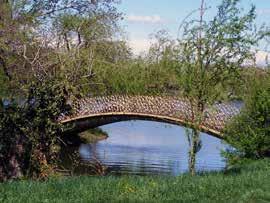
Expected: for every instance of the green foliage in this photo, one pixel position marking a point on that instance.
(87, 30)
(136, 77)
(249, 132)
(211, 54)
(33, 128)
(9, 138)
(34, 35)
(248, 184)
(3, 84)
(92, 136)
(46, 101)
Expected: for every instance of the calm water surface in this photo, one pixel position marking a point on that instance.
(147, 147)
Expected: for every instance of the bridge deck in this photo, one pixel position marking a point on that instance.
(168, 108)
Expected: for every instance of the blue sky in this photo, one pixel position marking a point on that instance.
(143, 17)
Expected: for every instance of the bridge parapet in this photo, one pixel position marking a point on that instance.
(173, 108)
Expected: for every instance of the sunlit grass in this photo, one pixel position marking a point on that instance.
(247, 184)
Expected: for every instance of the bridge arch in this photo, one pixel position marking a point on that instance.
(96, 111)
(82, 123)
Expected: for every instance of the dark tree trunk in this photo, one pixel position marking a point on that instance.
(66, 41)
(11, 166)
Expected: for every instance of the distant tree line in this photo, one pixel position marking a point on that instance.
(54, 51)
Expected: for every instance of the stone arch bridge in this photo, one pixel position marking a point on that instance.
(97, 111)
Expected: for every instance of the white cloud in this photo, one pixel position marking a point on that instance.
(261, 58)
(265, 11)
(139, 45)
(145, 19)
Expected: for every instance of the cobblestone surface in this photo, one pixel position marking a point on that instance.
(215, 117)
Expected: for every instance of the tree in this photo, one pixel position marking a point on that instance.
(249, 132)
(266, 36)
(28, 37)
(10, 150)
(163, 48)
(211, 55)
(88, 46)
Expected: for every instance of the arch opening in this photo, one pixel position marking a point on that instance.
(83, 123)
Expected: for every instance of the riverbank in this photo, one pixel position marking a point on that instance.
(247, 184)
(93, 135)
(86, 137)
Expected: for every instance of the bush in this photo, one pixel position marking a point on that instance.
(29, 131)
(10, 136)
(249, 133)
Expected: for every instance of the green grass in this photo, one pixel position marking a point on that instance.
(93, 135)
(248, 184)
(86, 137)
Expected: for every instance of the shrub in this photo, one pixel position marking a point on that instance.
(29, 132)
(249, 132)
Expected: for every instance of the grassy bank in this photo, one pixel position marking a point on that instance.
(86, 137)
(93, 135)
(248, 184)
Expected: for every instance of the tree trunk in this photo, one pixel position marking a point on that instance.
(11, 164)
(66, 41)
(194, 148)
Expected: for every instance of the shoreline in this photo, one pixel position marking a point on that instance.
(92, 136)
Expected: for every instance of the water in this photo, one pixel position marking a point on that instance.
(147, 147)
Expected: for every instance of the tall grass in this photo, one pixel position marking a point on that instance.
(248, 184)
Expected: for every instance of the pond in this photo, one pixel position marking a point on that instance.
(148, 147)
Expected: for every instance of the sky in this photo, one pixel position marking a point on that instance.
(145, 17)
